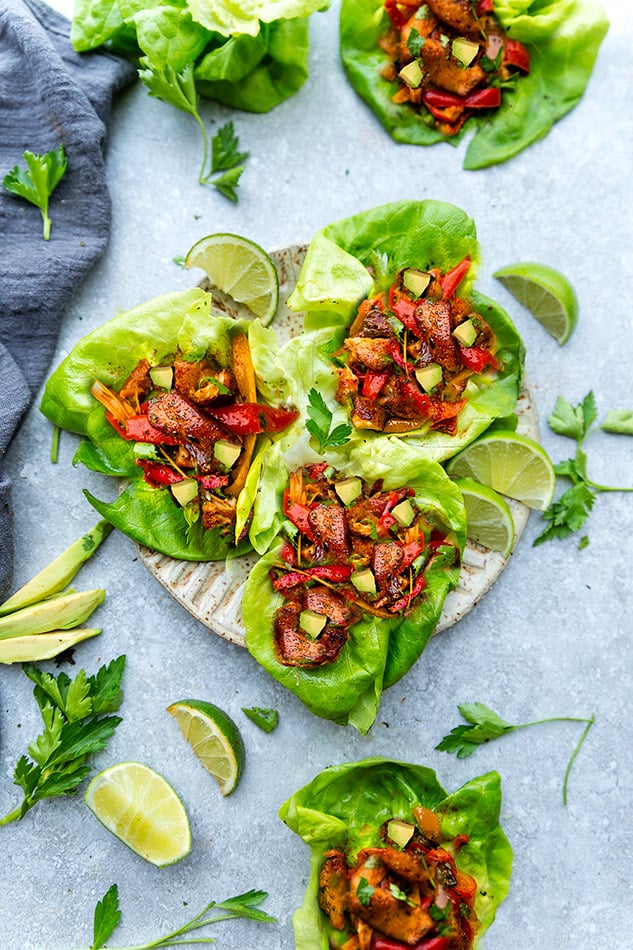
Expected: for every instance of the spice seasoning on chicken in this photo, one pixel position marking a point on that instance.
(450, 58)
(410, 352)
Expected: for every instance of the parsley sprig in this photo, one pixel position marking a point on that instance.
(226, 164)
(76, 725)
(484, 725)
(319, 423)
(569, 512)
(37, 182)
(108, 914)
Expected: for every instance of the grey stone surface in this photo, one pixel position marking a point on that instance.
(551, 638)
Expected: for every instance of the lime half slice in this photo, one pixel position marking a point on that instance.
(489, 518)
(546, 293)
(511, 464)
(240, 268)
(214, 738)
(142, 809)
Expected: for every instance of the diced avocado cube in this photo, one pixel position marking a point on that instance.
(162, 376)
(429, 376)
(411, 74)
(312, 623)
(185, 491)
(416, 281)
(227, 453)
(464, 50)
(349, 489)
(404, 513)
(364, 581)
(465, 333)
(400, 832)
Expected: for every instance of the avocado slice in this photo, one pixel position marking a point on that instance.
(465, 333)
(185, 491)
(349, 489)
(364, 581)
(404, 513)
(464, 50)
(312, 623)
(227, 453)
(429, 376)
(400, 832)
(411, 74)
(162, 376)
(415, 281)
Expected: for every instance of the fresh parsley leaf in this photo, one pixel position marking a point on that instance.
(484, 725)
(568, 514)
(265, 719)
(573, 421)
(319, 423)
(106, 917)
(75, 727)
(224, 153)
(364, 892)
(415, 42)
(37, 182)
(619, 421)
(439, 913)
(399, 895)
(228, 182)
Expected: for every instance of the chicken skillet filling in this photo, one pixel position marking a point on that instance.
(350, 547)
(407, 895)
(194, 424)
(450, 58)
(410, 352)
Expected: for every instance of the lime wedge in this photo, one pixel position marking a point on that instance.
(546, 293)
(488, 515)
(141, 808)
(214, 738)
(240, 268)
(512, 464)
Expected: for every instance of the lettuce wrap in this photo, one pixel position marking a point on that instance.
(250, 56)
(379, 650)
(353, 259)
(562, 37)
(345, 806)
(183, 323)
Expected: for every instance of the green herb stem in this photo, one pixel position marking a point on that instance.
(590, 723)
(14, 815)
(202, 177)
(55, 444)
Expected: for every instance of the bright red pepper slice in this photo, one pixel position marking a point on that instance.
(410, 551)
(155, 473)
(252, 417)
(515, 54)
(477, 358)
(404, 309)
(453, 278)
(212, 481)
(418, 586)
(400, 11)
(429, 943)
(373, 383)
(395, 352)
(336, 573)
(299, 515)
(488, 98)
(485, 6)
(140, 429)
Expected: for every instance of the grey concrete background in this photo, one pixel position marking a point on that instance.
(551, 638)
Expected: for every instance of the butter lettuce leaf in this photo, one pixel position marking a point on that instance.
(345, 805)
(563, 38)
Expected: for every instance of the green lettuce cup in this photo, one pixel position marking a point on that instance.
(562, 37)
(380, 647)
(350, 261)
(178, 325)
(349, 808)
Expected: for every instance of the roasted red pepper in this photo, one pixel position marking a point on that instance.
(252, 417)
(155, 473)
(140, 429)
(298, 514)
(212, 481)
(404, 309)
(396, 354)
(485, 6)
(477, 358)
(336, 573)
(418, 586)
(487, 98)
(400, 11)
(429, 943)
(373, 383)
(515, 54)
(410, 551)
(453, 278)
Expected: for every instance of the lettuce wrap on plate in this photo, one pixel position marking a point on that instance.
(398, 342)
(347, 598)
(397, 862)
(165, 398)
(250, 56)
(506, 70)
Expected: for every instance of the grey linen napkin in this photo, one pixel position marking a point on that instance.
(48, 95)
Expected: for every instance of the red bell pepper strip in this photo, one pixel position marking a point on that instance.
(336, 573)
(400, 11)
(373, 383)
(288, 554)
(404, 309)
(410, 551)
(466, 886)
(429, 943)
(453, 278)
(299, 515)
(155, 473)
(212, 481)
(418, 586)
(395, 352)
(487, 98)
(485, 6)
(515, 54)
(477, 358)
(140, 429)
(252, 417)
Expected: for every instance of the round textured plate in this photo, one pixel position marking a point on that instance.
(212, 591)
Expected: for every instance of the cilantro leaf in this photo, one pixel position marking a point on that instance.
(399, 895)
(106, 917)
(224, 153)
(364, 892)
(574, 421)
(619, 421)
(568, 514)
(415, 42)
(37, 182)
(319, 423)
(228, 182)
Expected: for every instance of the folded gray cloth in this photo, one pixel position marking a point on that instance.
(49, 95)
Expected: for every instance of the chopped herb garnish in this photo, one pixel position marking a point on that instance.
(364, 892)
(319, 423)
(37, 182)
(415, 42)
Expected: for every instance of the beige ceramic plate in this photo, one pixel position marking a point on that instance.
(212, 591)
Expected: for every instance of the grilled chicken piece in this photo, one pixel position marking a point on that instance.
(176, 416)
(396, 401)
(334, 606)
(138, 384)
(193, 380)
(386, 561)
(218, 511)
(373, 353)
(375, 325)
(330, 529)
(446, 73)
(407, 866)
(457, 14)
(347, 384)
(434, 318)
(295, 648)
(368, 414)
(334, 887)
(393, 917)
